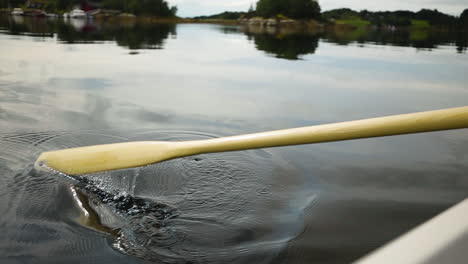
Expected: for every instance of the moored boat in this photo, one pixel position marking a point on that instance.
(77, 13)
(35, 13)
(17, 12)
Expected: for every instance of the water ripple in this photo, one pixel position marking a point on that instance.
(225, 207)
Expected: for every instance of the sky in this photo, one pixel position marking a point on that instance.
(189, 8)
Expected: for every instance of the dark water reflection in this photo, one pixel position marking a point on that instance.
(65, 85)
(128, 34)
(282, 43)
(290, 46)
(420, 39)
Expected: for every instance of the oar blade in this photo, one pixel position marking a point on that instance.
(84, 160)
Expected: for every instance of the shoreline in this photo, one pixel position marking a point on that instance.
(265, 24)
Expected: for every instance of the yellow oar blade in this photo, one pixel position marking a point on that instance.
(133, 154)
(82, 160)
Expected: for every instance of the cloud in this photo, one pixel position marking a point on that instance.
(189, 8)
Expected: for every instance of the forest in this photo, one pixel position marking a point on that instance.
(294, 9)
(424, 17)
(137, 7)
(310, 9)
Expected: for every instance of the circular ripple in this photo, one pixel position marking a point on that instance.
(230, 207)
(38, 214)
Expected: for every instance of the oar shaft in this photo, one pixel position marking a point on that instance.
(446, 119)
(132, 154)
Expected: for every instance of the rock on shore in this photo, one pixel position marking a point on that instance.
(277, 22)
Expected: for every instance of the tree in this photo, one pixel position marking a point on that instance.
(174, 10)
(343, 13)
(61, 4)
(289, 46)
(269, 8)
(463, 20)
(142, 7)
(303, 9)
(299, 9)
(435, 17)
(251, 9)
(114, 4)
(12, 3)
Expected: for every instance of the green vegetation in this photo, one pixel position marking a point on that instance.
(296, 9)
(225, 15)
(142, 7)
(11, 3)
(340, 14)
(279, 9)
(139, 7)
(463, 20)
(288, 46)
(419, 24)
(420, 19)
(418, 35)
(345, 16)
(436, 18)
(356, 22)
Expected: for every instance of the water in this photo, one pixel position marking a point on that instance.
(75, 84)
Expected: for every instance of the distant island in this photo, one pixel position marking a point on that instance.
(266, 13)
(277, 12)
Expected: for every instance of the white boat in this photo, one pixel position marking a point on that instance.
(17, 12)
(66, 15)
(78, 24)
(442, 239)
(77, 13)
(17, 19)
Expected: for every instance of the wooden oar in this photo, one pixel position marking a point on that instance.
(98, 158)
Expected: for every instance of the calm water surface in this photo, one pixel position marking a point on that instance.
(77, 83)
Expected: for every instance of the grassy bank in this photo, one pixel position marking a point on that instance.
(178, 20)
(213, 21)
(355, 22)
(420, 24)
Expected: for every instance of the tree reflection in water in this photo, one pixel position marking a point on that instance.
(291, 44)
(126, 33)
(284, 43)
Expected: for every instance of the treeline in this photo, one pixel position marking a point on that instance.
(225, 15)
(463, 20)
(142, 7)
(424, 17)
(310, 9)
(296, 9)
(137, 7)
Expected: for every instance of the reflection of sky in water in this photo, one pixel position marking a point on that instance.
(200, 78)
(202, 74)
(219, 83)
